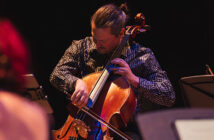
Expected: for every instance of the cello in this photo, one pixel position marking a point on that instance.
(111, 100)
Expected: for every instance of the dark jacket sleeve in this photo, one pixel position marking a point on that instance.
(66, 71)
(154, 83)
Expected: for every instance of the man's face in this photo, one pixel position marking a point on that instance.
(104, 40)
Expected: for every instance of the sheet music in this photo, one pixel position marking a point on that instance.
(195, 129)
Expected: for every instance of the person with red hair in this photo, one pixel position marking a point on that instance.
(20, 118)
(13, 46)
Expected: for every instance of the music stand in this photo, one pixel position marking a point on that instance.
(35, 92)
(198, 91)
(163, 124)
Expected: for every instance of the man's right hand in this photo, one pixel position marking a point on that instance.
(80, 96)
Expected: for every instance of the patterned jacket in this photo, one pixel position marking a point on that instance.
(81, 58)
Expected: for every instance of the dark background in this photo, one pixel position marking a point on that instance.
(181, 36)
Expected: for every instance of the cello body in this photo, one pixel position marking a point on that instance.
(116, 105)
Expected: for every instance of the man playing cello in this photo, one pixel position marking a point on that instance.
(137, 65)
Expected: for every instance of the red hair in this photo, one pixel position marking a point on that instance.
(13, 46)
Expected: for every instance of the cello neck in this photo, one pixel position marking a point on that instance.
(94, 94)
(130, 32)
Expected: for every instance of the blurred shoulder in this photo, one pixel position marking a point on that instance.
(19, 114)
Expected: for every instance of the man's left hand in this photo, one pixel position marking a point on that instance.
(125, 71)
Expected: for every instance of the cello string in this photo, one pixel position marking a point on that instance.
(101, 121)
